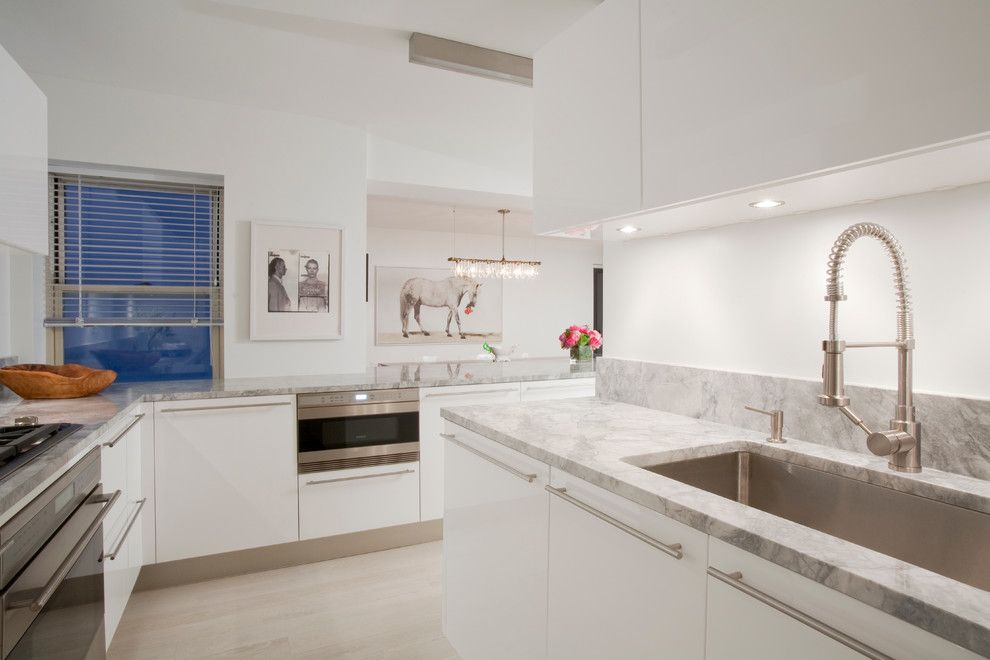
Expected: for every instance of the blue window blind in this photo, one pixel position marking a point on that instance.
(135, 275)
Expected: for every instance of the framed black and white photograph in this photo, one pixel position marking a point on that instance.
(295, 282)
(432, 306)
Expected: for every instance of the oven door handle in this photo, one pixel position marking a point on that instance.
(63, 570)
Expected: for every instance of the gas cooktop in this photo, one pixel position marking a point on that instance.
(22, 443)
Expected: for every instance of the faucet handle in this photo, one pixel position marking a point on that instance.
(776, 423)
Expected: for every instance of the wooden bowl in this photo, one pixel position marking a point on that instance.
(48, 381)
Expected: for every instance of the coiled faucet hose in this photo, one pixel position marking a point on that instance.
(833, 283)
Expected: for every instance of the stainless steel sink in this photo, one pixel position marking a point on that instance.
(947, 539)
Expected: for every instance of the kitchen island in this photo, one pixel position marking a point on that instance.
(677, 567)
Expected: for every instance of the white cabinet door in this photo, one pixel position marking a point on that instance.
(120, 462)
(431, 425)
(494, 550)
(745, 625)
(586, 143)
(621, 592)
(727, 107)
(565, 388)
(116, 587)
(740, 628)
(147, 425)
(344, 501)
(225, 475)
(23, 159)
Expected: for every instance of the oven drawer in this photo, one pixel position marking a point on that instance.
(344, 501)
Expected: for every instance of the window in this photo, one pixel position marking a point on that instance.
(135, 276)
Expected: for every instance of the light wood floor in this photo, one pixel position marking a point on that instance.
(378, 606)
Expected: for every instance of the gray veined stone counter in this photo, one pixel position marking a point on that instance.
(589, 438)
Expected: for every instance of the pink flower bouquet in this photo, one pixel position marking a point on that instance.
(580, 341)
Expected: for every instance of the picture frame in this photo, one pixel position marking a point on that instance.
(296, 283)
(443, 317)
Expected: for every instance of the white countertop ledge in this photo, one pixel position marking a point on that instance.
(602, 442)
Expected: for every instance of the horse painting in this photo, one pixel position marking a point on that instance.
(448, 293)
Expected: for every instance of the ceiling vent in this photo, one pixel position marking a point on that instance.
(465, 58)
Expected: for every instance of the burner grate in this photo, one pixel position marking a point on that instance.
(20, 444)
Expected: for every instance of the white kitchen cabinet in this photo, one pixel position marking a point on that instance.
(586, 138)
(23, 159)
(645, 104)
(123, 530)
(747, 626)
(431, 425)
(494, 550)
(344, 501)
(147, 427)
(225, 475)
(624, 581)
(564, 388)
(740, 94)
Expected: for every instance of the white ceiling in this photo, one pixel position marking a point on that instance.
(342, 59)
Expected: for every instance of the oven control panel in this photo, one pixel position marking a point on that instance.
(359, 397)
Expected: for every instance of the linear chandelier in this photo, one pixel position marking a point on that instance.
(506, 269)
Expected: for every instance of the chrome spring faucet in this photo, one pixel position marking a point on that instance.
(902, 441)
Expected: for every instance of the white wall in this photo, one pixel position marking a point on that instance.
(534, 312)
(750, 297)
(277, 168)
(404, 164)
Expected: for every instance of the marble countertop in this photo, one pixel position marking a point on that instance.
(104, 413)
(604, 442)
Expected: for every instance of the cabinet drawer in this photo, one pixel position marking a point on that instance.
(566, 388)
(343, 501)
(613, 568)
(120, 460)
(694, 544)
(747, 625)
(431, 425)
(507, 458)
(494, 550)
(226, 475)
(116, 589)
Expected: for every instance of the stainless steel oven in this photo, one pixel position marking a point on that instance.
(339, 430)
(52, 571)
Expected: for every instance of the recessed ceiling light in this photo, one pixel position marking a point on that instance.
(766, 204)
(629, 229)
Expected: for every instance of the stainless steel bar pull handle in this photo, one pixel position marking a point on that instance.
(577, 382)
(63, 570)
(232, 406)
(494, 391)
(494, 461)
(675, 550)
(734, 580)
(362, 476)
(116, 439)
(127, 530)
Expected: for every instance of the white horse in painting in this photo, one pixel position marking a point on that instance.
(447, 293)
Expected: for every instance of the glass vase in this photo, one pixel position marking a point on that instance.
(581, 353)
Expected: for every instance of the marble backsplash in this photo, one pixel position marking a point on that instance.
(956, 431)
(6, 362)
